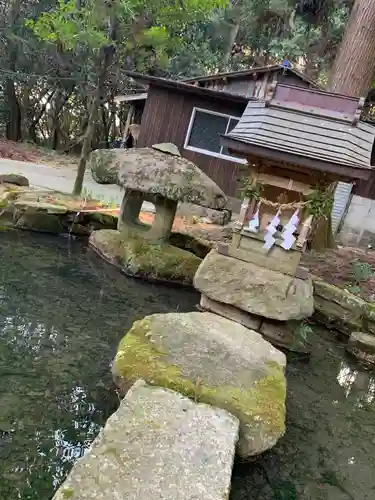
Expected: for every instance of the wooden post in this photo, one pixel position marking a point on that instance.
(128, 122)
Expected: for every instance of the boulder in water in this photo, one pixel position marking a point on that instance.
(157, 445)
(137, 257)
(211, 360)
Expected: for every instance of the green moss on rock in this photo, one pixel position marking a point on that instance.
(40, 221)
(254, 393)
(339, 308)
(67, 492)
(139, 258)
(104, 166)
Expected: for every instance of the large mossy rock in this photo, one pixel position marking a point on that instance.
(105, 165)
(170, 176)
(254, 289)
(212, 360)
(136, 257)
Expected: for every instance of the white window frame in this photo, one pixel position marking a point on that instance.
(206, 151)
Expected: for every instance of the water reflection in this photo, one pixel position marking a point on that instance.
(328, 452)
(62, 313)
(359, 381)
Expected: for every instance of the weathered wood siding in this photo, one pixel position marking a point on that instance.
(167, 115)
(166, 118)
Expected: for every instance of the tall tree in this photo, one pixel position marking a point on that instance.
(354, 67)
(109, 31)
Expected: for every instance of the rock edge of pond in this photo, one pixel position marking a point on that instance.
(58, 213)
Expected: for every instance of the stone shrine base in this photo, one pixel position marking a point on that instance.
(139, 258)
(281, 334)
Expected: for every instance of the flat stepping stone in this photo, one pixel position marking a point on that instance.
(158, 445)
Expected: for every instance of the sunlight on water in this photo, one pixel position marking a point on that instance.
(62, 314)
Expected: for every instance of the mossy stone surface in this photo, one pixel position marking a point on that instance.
(40, 221)
(137, 257)
(158, 445)
(342, 297)
(213, 360)
(104, 165)
(173, 177)
(338, 308)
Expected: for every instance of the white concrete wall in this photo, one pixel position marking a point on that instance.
(358, 227)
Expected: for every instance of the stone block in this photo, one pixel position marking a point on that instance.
(219, 217)
(169, 176)
(254, 289)
(230, 312)
(158, 445)
(338, 308)
(285, 335)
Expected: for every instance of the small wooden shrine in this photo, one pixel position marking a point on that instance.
(298, 143)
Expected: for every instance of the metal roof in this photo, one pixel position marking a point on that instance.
(295, 124)
(252, 71)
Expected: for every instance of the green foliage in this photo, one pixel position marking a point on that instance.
(319, 203)
(71, 25)
(51, 50)
(362, 271)
(354, 289)
(250, 190)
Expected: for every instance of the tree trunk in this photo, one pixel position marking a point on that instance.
(354, 67)
(108, 53)
(13, 127)
(86, 146)
(94, 108)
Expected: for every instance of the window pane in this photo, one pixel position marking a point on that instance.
(232, 123)
(205, 131)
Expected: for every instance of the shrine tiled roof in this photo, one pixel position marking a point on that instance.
(296, 124)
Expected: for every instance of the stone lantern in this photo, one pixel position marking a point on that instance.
(161, 176)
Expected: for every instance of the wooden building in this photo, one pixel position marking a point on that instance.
(193, 113)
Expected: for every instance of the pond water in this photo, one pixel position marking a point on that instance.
(62, 313)
(328, 452)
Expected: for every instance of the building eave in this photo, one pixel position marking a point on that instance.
(188, 88)
(343, 172)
